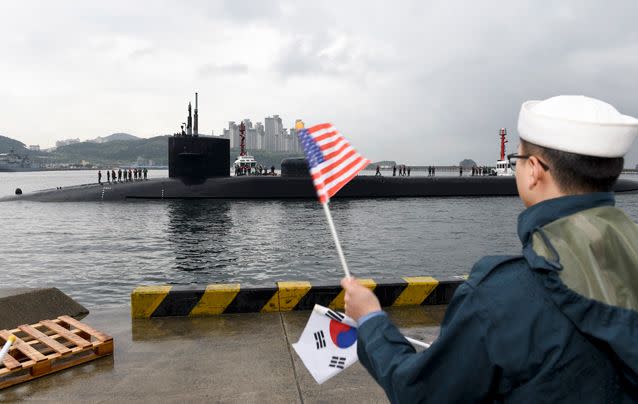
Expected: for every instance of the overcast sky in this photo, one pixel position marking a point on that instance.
(419, 82)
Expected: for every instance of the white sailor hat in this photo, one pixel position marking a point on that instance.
(577, 124)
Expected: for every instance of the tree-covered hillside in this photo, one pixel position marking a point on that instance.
(121, 152)
(115, 151)
(7, 144)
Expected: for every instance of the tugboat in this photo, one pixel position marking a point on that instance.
(245, 163)
(503, 167)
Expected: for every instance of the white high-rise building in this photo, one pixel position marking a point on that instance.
(232, 133)
(270, 136)
(273, 129)
(261, 132)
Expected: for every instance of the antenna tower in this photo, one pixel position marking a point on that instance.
(503, 141)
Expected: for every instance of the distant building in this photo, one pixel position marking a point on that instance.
(261, 136)
(273, 127)
(232, 134)
(66, 142)
(34, 147)
(269, 136)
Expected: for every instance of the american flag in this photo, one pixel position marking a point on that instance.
(331, 159)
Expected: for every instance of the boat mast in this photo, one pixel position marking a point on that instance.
(242, 137)
(503, 141)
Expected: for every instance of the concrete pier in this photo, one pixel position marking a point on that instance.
(27, 306)
(228, 358)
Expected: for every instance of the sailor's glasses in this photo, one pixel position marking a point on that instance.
(511, 159)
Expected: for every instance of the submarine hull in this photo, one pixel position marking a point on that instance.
(267, 187)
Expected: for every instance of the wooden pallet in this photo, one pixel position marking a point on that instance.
(49, 346)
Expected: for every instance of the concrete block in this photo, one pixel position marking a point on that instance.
(207, 300)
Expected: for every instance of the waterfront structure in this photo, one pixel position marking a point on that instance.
(269, 136)
(66, 142)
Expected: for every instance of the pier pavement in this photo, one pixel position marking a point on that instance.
(228, 358)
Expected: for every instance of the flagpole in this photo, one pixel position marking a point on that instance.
(417, 342)
(336, 239)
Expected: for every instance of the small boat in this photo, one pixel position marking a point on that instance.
(503, 167)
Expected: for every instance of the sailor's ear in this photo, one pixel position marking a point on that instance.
(536, 172)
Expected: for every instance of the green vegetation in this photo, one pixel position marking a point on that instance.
(120, 152)
(114, 152)
(7, 144)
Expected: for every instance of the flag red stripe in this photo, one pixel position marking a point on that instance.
(335, 153)
(341, 184)
(327, 169)
(332, 144)
(319, 127)
(325, 136)
(340, 172)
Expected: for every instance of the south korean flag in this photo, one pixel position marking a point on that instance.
(328, 344)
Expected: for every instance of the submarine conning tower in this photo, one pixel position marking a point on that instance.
(294, 167)
(194, 158)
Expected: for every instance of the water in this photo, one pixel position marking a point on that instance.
(99, 252)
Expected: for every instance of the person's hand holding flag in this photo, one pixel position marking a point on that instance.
(359, 300)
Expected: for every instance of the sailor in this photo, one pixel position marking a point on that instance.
(394, 171)
(113, 175)
(99, 176)
(557, 323)
(108, 176)
(119, 174)
(145, 173)
(130, 174)
(272, 170)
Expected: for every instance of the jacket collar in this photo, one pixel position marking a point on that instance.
(545, 212)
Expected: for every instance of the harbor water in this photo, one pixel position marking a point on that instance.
(98, 252)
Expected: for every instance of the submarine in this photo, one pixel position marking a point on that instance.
(199, 168)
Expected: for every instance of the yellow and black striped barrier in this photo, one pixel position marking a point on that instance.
(162, 301)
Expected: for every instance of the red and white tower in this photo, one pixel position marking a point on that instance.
(242, 139)
(503, 134)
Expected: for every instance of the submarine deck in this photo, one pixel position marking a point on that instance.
(267, 187)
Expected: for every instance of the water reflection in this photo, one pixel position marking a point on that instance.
(199, 235)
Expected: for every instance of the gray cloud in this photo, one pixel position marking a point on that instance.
(416, 81)
(208, 70)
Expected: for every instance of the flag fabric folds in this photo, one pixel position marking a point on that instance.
(328, 344)
(331, 159)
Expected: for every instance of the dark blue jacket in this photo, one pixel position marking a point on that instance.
(514, 333)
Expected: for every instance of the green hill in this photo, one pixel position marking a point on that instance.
(120, 152)
(115, 151)
(7, 144)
